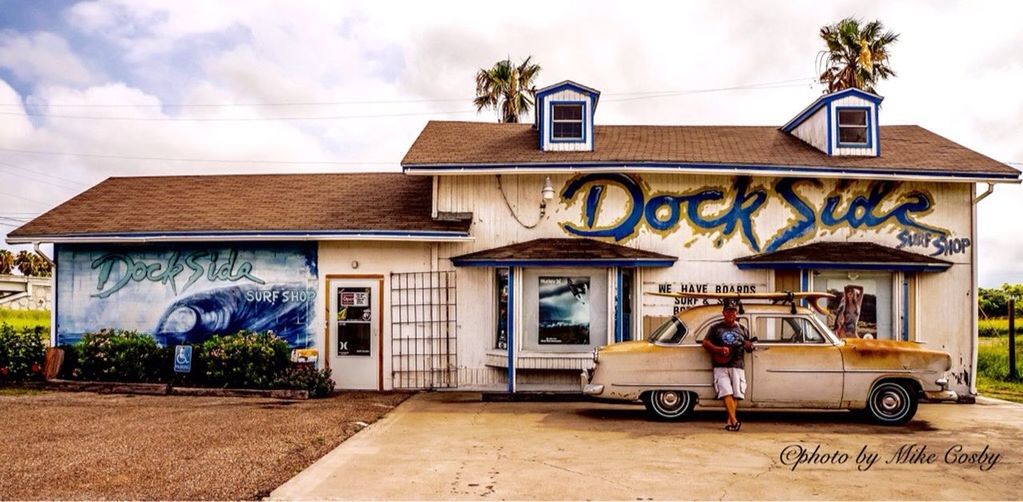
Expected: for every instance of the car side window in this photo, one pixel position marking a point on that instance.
(787, 329)
(706, 327)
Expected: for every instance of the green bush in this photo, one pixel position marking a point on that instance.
(21, 353)
(243, 360)
(306, 377)
(122, 356)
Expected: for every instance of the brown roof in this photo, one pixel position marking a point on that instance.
(852, 255)
(317, 203)
(563, 251)
(909, 149)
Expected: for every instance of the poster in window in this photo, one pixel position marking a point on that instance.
(354, 321)
(853, 311)
(564, 311)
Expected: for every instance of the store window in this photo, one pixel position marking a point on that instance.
(501, 330)
(863, 306)
(564, 309)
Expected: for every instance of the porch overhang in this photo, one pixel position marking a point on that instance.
(563, 252)
(843, 256)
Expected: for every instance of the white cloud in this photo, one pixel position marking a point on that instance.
(41, 56)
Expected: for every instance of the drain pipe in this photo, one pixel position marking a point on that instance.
(53, 292)
(973, 277)
(39, 251)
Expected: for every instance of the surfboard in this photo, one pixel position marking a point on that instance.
(812, 297)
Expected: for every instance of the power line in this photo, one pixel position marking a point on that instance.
(58, 181)
(388, 101)
(235, 119)
(173, 159)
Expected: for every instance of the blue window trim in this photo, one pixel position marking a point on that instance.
(905, 307)
(870, 129)
(618, 305)
(511, 329)
(585, 123)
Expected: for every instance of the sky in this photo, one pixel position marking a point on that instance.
(103, 88)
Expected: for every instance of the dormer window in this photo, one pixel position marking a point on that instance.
(568, 121)
(564, 117)
(853, 126)
(840, 124)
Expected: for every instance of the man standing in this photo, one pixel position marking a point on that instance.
(727, 342)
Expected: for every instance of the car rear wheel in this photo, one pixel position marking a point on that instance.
(669, 404)
(891, 403)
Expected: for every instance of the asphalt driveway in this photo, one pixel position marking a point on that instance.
(453, 446)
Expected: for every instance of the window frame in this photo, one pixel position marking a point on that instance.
(830, 340)
(867, 127)
(582, 122)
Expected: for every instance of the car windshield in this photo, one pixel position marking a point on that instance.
(672, 331)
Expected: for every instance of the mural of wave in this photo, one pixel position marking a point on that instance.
(286, 310)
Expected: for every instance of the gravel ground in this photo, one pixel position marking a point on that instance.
(60, 445)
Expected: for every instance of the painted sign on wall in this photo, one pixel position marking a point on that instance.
(730, 209)
(185, 293)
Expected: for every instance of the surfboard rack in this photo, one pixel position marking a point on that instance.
(776, 298)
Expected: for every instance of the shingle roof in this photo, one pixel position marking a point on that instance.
(246, 204)
(560, 251)
(905, 149)
(846, 255)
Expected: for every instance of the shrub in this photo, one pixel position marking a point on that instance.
(122, 356)
(244, 360)
(306, 377)
(21, 353)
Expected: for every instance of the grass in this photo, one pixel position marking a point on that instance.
(996, 327)
(19, 319)
(993, 368)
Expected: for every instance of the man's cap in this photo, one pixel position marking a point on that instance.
(729, 304)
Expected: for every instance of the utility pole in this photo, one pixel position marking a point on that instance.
(1012, 339)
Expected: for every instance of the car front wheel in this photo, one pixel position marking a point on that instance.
(891, 403)
(669, 404)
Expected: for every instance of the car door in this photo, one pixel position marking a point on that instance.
(795, 365)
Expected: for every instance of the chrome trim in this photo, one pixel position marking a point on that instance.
(804, 371)
(663, 385)
(593, 390)
(797, 370)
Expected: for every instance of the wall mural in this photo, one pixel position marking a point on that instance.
(186, 293)
(849, 204)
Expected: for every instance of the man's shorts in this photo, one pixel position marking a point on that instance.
(730, 382)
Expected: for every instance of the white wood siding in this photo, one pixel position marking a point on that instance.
(705, 256)
(814, 130)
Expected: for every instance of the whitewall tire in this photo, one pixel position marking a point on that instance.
(892, 403)
(669, 404)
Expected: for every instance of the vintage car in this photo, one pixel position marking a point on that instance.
(797, 362)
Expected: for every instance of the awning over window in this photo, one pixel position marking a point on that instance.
(565, 252)
(845, 256)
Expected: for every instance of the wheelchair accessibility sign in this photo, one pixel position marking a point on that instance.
(183, 358)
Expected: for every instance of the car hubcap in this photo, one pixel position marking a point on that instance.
(669, 399)
(890, 403)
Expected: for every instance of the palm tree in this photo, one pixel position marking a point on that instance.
(6, 261)
(856, 56)
(506, 88)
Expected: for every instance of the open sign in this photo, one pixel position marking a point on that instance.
(354, 299)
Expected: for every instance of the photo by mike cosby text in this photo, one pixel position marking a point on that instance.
(798, 455)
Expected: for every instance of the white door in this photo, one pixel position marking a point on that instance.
(354, 326)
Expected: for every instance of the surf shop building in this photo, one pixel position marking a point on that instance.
(504, 253)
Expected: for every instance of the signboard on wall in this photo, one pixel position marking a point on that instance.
(185, 293)
(564, 311)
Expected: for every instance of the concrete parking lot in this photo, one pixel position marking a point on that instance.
(453, 446)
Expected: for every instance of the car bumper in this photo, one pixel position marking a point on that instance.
(588, 388)
(941, 395)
